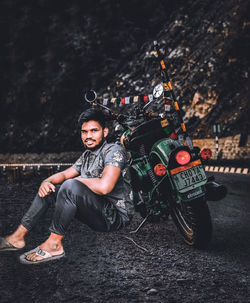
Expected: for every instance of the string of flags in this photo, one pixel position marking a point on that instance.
(120, 101)
(126, 100)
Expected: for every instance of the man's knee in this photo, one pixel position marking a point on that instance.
(66, 195)
(72, 186)
(67, 185)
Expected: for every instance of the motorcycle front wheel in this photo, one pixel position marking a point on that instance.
(193, 221)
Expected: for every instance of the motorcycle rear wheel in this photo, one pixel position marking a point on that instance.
(193, 221)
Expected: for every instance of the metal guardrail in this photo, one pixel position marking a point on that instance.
(18, 171)
(33, 164)
(227, 170)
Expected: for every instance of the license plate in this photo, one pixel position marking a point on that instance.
(189, 179)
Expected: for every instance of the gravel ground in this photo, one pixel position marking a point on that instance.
(101, 267)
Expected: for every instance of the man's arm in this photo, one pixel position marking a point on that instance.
(48, 186)
(105, 184)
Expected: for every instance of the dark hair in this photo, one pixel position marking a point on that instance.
(94, 114)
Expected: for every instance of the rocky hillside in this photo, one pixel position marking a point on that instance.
(207, 48)
(52, 53)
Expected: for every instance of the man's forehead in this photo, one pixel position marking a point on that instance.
(91, 124)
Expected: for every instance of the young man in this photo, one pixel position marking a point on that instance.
(94, 190)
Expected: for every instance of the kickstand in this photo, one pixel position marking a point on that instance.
(140, 226)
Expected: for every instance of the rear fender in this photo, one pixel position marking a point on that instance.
(163, 148)
(161, 151)
(193, 194)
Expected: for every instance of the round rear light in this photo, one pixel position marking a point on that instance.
(160, 169)
(183, 157)
(206, 153)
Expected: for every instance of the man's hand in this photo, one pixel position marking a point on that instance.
(46, 188)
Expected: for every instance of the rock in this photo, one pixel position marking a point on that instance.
(152, 292)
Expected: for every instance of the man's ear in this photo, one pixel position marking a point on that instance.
(105, 132)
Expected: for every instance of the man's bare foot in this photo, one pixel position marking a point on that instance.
(19, 243)
(17, 238)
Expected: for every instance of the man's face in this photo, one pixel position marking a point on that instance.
(93, 134)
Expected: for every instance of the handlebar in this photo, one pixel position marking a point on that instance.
(91, 97)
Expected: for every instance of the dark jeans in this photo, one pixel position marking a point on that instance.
(74, 200)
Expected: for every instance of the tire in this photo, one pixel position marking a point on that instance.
(193, 221)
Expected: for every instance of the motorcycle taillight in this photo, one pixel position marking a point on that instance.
(206, 153)
(160, 169)
(182, 157)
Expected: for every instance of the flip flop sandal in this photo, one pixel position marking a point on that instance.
(46, 256)
(6, 246)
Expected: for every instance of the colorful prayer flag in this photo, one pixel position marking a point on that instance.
(150, 97)
(127, 100)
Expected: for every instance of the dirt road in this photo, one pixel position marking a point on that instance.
(111, 268)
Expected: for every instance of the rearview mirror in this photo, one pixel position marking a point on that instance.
(90, 96)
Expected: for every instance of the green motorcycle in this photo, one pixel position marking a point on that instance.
(167, 177)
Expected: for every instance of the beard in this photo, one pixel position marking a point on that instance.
(95, 147)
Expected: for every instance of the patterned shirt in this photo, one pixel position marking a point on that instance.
(91, 165)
